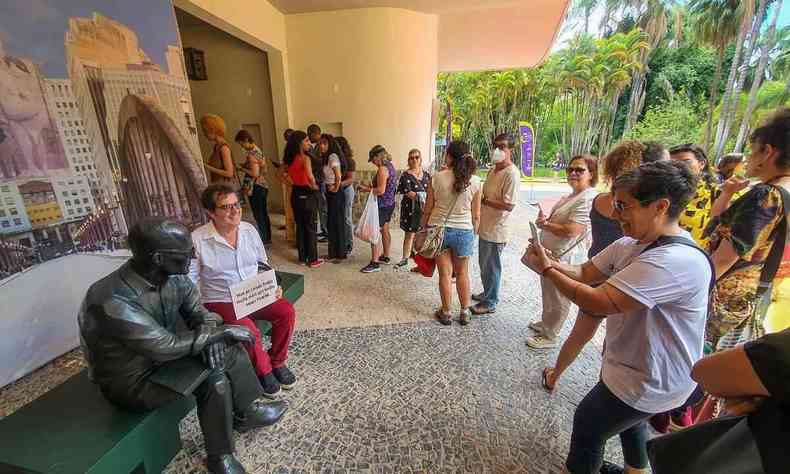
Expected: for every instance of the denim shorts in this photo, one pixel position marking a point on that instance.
(460, 241)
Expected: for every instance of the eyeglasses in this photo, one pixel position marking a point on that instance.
(414, 157)
(575, 170)
(620, 206)
(228, 207)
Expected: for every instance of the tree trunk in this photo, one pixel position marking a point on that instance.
(758, 78)
(713, 96)
(636, 101)
(744, 71)
(731, 79)
(449, 122)
(786, 92)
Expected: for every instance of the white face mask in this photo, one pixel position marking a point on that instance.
(498, 156)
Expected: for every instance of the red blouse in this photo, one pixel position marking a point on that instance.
(298, 172)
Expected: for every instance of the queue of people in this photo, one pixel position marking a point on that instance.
(679, 259)
(696, 272)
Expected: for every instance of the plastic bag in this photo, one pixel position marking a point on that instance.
(368, 226)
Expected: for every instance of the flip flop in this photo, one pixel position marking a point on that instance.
(545, 379)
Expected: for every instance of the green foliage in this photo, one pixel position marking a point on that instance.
(670, 123)
(653, 70)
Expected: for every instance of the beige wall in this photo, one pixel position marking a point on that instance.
(374, 70)
(258, 23)
(257, 18)
(498, 38)
(238, 89)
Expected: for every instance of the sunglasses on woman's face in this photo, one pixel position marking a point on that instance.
(227, 207)
(414, 157)
(574, 169)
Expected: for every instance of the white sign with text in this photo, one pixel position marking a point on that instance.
(254, 293)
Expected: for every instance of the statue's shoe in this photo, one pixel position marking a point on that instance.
(260, 414)
(224, 464)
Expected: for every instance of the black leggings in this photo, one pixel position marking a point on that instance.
(261, 212)
(305, 205)
(336, 224)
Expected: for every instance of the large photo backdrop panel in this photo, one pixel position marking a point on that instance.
(97, 131)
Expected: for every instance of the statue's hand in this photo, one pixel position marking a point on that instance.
(214, 355)
(230, 335)
(238, 334)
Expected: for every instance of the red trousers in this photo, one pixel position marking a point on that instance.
(283, 318)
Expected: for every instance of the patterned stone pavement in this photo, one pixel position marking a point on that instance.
(415, 398)
(409, 397)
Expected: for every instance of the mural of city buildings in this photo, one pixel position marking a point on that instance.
(85, 155)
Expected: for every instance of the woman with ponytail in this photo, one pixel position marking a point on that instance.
(454, 202)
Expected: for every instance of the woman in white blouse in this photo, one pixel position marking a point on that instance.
(334, 169)
(227, 252)
(565, 233)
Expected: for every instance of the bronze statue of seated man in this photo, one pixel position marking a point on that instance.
(148, 341)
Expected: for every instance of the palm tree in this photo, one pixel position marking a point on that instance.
(654, 21)
(582, 9)
(780, 66)
(729, 113)
(758, 77)
(717, 23)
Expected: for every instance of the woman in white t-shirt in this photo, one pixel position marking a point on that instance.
(453, 201)
(652, 288)
(333, 169)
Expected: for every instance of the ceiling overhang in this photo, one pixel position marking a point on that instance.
(473, 35)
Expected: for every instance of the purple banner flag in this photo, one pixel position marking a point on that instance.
(527, 147)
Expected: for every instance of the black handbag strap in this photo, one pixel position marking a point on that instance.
(771, 265)
(677, 239)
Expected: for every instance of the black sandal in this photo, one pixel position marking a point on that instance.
(545, 379)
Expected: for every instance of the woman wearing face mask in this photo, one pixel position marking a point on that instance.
(741, 240)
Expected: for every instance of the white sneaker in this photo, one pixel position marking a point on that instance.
(541, 342)
(536, 326)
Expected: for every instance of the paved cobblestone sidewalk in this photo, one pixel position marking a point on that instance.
(384, 389)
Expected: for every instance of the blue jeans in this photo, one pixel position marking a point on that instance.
(349, 219)
(490, 261)
(600, 416)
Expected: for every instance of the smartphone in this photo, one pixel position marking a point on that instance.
(534, 229)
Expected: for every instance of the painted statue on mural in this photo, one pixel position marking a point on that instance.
(29, 142)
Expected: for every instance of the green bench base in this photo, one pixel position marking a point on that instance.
(73, 429)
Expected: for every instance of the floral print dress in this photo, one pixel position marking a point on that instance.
(750, 224)
(411, 209)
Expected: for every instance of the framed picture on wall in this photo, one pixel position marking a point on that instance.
(195, 60)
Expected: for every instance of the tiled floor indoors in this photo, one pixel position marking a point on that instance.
(388, 390)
